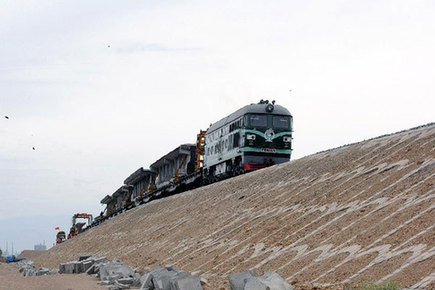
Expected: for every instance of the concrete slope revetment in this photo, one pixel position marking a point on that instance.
(361, 212)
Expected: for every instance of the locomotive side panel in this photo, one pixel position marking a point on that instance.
(223, 145)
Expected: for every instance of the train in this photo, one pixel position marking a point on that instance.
(253, 137)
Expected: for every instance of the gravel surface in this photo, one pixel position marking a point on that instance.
(363, 212)
(11, 279)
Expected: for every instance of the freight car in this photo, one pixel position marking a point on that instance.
(251, 138)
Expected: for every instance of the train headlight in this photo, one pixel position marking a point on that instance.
(286, 139)
(250, 136)
(269, 108)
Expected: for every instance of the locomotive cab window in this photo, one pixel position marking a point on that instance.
(256, 120)
(281, 122)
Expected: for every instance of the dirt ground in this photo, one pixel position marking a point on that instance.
(363, 212)
(11, 279)
(30, 254)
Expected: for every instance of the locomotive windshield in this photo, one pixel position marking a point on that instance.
(281, 122)
(269, 121)
(257, 120)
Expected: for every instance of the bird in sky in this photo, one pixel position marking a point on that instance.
(108, 46)
(33, 148)
(6, 117)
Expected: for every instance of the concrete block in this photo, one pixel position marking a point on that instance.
(105, 283)
(268, 281)
(171, 268)
(146, 281)
(185, 282)
(61, 268)
(126, 281)
(113, 278)
(116, 287)
(115, 270)
(136, 280)
(97, 263)
(169, 278)
(87, 264)
(254, 283)
(29, 271)
(238, 280)
(162, 279)
(97, 269)
(182, 274)
(78, 267)
(165, 280)
(32, 272)
(147, 278)
(91, 270)
(84, 257)
(69, 268)
(42, 271)
(121, 286)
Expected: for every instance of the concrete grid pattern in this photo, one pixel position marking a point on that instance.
(363, 212)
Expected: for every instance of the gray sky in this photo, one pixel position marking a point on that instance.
(101, 88)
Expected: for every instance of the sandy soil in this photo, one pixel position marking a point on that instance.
(10, 279)
(363, 212)
(29, 254)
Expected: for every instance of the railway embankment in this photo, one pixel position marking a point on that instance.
(361, 212)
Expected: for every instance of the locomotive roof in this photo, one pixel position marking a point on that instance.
(253, 109)
(182, 149)
(137, 176)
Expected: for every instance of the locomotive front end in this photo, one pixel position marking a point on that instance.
(267, 136)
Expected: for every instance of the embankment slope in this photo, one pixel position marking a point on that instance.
(356, 213)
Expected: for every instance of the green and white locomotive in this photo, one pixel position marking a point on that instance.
(253, 137)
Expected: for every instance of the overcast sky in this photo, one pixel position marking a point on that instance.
(101, 88)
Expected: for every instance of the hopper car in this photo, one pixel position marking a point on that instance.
(254, 137)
